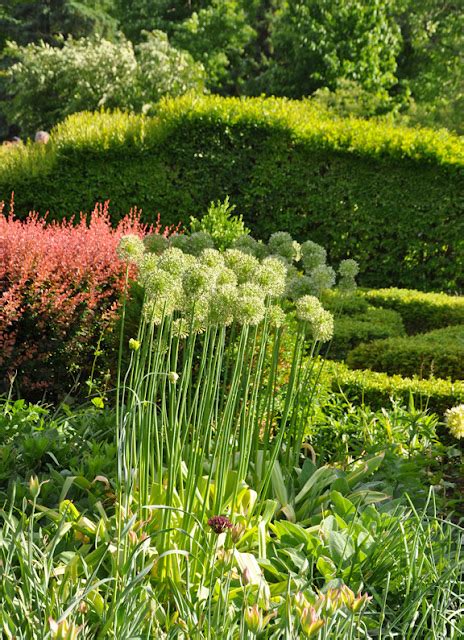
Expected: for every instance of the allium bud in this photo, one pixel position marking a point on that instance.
(359, 602)
(173, 377)
(134, 345)
(236, 532)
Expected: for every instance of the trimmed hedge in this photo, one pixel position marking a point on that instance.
(439, 353)
(420, 311)
(391, 197)
(376, 389)
(373, 324)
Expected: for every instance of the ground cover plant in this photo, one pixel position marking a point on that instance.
(219, 491)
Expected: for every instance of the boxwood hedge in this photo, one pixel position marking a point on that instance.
(375, 389)
(392, 197)
(439, 353)
(420, 311)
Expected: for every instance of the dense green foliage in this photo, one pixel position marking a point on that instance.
(400, 59)
(359, 188)
(420, 311)
(376, 389)
(373, 324)
(48, 83)
(439, 353)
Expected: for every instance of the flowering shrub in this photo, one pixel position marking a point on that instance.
(59, 289)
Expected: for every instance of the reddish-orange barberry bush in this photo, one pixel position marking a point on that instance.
(60, 289)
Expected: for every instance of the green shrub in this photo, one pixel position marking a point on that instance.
(375, 389)
(439, 353)
(362, 189)
(420, 311)
(373, 324)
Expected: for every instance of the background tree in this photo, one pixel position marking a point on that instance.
(317, 43)
(47, 83)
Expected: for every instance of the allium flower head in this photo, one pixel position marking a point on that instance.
(348, 268)
(179, 241)
(247, 244)
(220, 524)
(154, 243)
(174, 261)
(242, 264)
(454, 419)
(222, 305)
(322, 278)
(312, 255)
(226, 277)
(249, 306)
(298, 286)
(212, 258)
(198, 242)
(270, 277)
(130, 248)
(282, 244)
(276, 315)
(147, 263)
(199, 279)
(308, 308)
(323, 326)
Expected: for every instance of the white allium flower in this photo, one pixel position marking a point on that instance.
(242, 264)
(282, 243)
(348, 268)
(155, 243)
(247, 244)
(130, 248)
(147, 264)
(322, 278)
(226, 277)
(222, 305)
(249, 307)
(198, 280)
(212, 258)
(309, 309)
(276, 315)
(270, 275)
(298, 286)
(312, 255)
(198, 242)
(180, 241)
(323, 326)
(454, 419)
(174, 261)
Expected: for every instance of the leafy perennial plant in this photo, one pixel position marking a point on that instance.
(219, 524)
